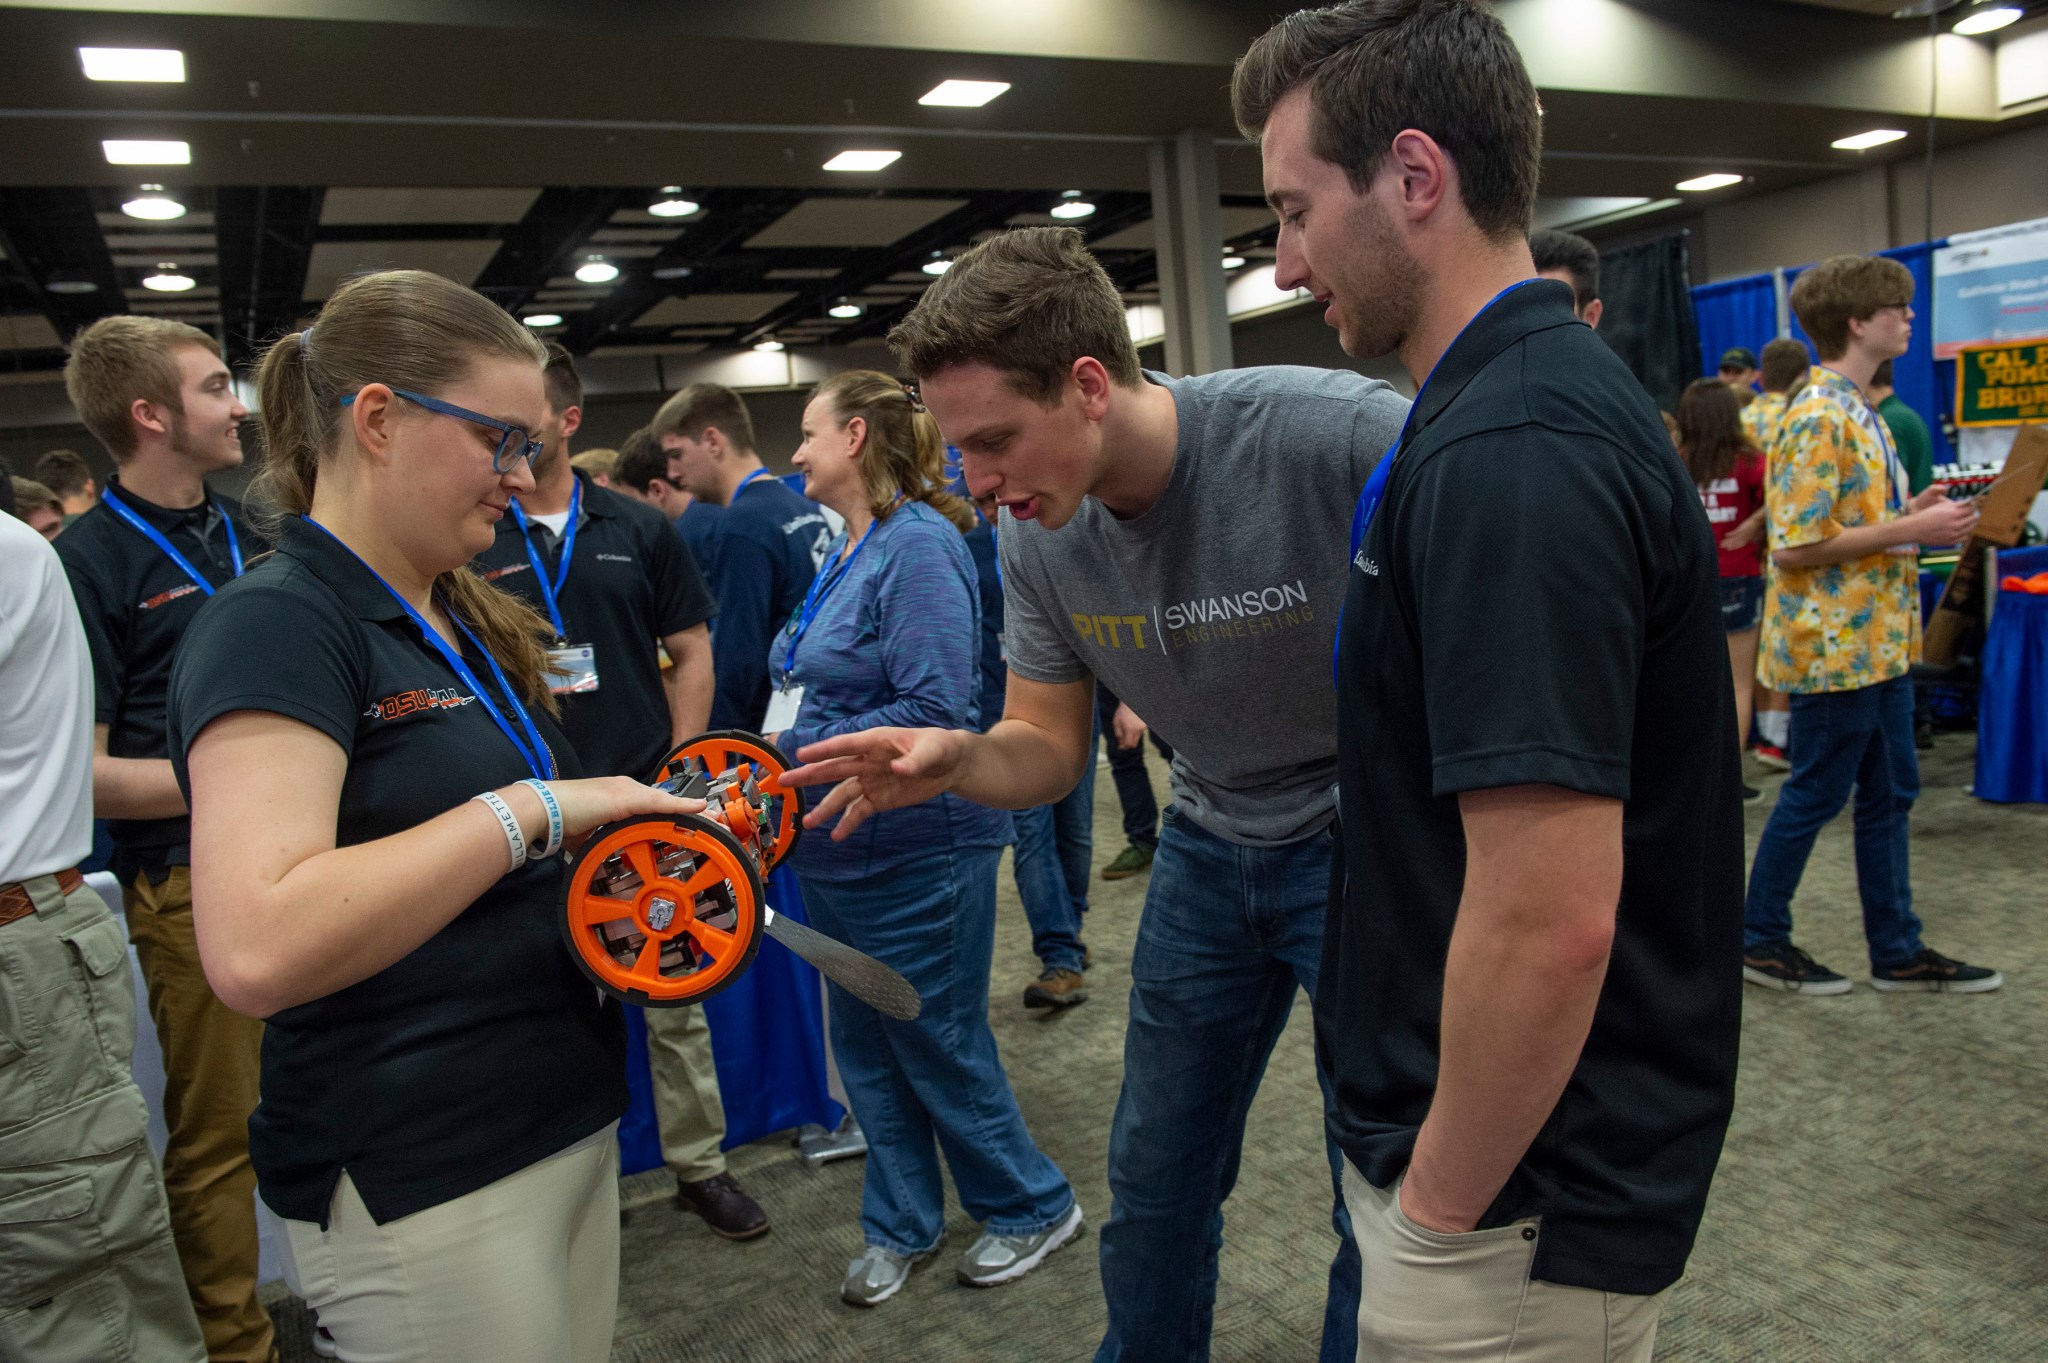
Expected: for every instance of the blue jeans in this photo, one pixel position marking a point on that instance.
(1843, 739)
(934, 1085)
(1055, 843)
(1228, 935)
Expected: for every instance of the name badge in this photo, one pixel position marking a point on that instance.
(572, 669)
(782, 708)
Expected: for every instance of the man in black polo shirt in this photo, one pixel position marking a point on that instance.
(142, 562)
(613, 577)
(1529, 986)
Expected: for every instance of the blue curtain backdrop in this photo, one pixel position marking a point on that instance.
(1743, 312)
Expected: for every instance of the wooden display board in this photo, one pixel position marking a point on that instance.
(2003, 507)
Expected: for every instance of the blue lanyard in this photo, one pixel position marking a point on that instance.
(1894, 467)
(1376, 485)
(539, 759)
(156, 537)
(814, 599)
(757, 473)
(550, 590)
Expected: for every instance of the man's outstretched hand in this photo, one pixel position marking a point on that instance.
(876, 769)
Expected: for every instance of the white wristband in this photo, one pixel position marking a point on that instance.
(515, 840)
(547, 797)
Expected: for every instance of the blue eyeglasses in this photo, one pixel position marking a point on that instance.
(513, 443)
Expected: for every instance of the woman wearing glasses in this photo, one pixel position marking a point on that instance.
(378, 793)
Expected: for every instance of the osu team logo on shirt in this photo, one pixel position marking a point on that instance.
(420, 698)
(167, 597)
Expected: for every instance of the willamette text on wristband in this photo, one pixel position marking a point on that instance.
(515, 840)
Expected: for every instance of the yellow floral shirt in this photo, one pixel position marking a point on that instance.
(1846, 625)
(1760, 419)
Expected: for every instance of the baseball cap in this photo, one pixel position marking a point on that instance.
(1738, 357)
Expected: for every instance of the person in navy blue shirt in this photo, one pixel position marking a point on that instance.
(643, 473)
(770, 540)
(888, 636)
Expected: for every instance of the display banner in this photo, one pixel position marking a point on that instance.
(1991, 286)
(2001, 385)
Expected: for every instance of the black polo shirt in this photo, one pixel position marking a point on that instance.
(136, 605)
(485, 1049)
(1536, 603)
(632, 581)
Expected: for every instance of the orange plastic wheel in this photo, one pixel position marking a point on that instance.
(663, 912)
(723, 749)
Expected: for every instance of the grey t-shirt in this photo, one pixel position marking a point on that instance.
(1214, 614)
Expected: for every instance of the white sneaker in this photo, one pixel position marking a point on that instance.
(997, 1258)
(878, 1274)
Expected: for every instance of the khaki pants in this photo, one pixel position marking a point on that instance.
(211, 1061)
(88, 1272)
(524, 1270)
(686, 1101)
(1429, 1297)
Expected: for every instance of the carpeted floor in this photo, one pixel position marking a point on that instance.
(1881, 1196)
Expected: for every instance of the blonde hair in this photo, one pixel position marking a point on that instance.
(904, 454)
(119, 359)
(410, 329)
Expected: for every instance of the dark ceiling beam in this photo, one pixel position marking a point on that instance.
(543, 244)
(712, 249)
(53, 234)
(266, 235)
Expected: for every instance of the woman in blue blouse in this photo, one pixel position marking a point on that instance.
(888, 636)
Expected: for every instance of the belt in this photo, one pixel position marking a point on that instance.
(15, 902)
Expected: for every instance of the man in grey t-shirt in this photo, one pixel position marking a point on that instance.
(1184, 540)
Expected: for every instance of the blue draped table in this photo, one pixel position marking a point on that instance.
(2012, 707)
(768, 1039)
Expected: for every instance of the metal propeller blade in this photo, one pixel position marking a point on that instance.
(858, 973)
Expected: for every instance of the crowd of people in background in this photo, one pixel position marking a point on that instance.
(338, 736)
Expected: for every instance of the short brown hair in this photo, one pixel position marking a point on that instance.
(29, 495)
(1784, 362)
(641, 462)
(1028, 303)
(1375, 67)
(119, 359)
(1845, 289)
(64, 472)
(564, 385)
(699, 407)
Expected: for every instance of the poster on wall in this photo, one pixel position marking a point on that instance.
(1999, 385)
(1991, 286)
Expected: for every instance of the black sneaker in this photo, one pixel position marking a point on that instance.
(1752, 796)
(1785, 966)
(1923, 736)
(1933, 973)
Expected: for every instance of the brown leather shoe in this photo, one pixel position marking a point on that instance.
(1056, 989)
(725, 1207)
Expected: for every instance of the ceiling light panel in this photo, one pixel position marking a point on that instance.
(857, 161)
(1700, 184)
(1876, 137)
(1987, 19)
(963, 94)
(134, 152)
(159, 65)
